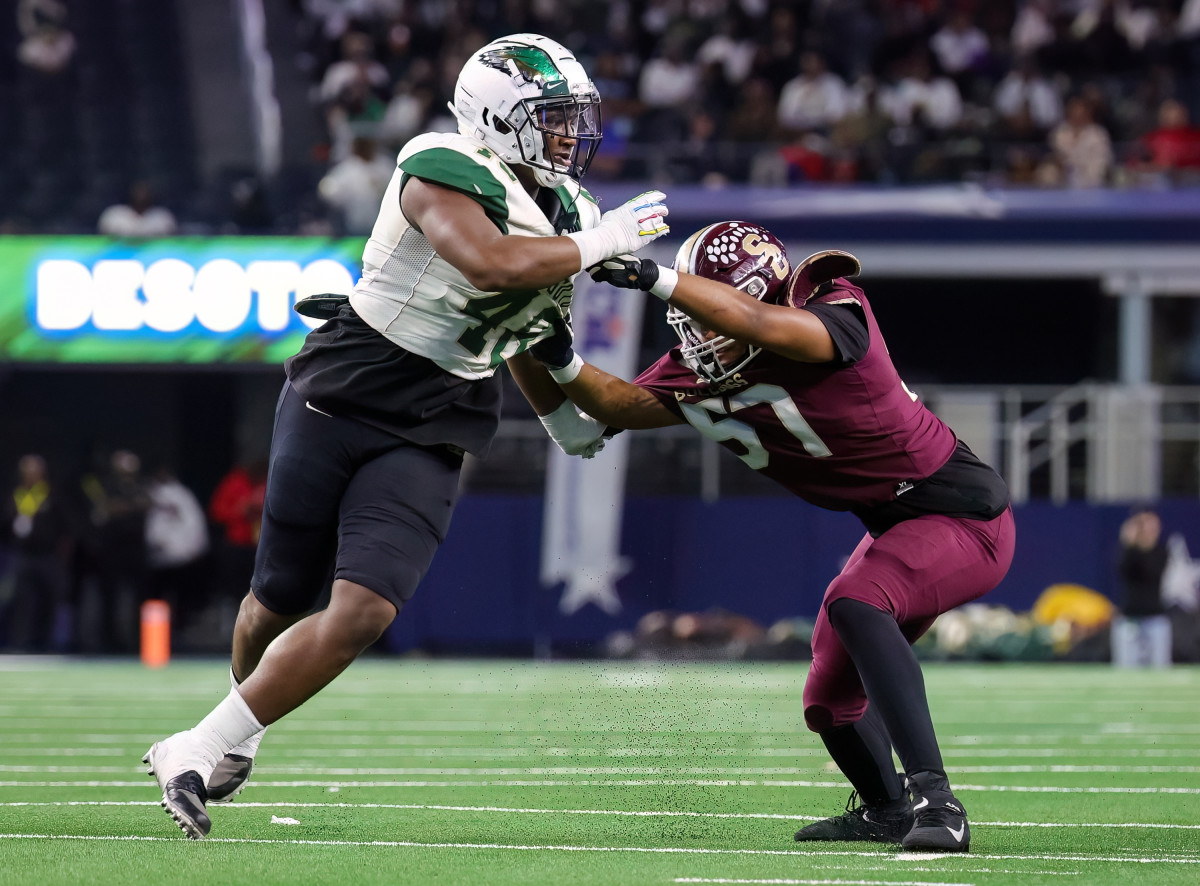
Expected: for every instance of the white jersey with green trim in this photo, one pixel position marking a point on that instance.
(423, 303)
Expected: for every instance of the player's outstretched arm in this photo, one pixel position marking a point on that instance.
(461, 233)
(796, 334)
(576, 433)
(607, 398)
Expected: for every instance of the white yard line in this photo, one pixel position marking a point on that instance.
(650, 850)
(790, 882)
(600, 770)
(610, 783)
(373, 746)
(632, 813)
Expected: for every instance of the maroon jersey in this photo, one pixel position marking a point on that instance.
(841, 435)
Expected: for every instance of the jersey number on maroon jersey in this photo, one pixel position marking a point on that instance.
(699, 416)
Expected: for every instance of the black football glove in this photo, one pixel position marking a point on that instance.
(321, 307)
(626, 272)
(555, 352)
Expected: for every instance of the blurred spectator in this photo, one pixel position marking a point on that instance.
(960, 47)
(236, 506)
(409, 106)
(612, 73)
(669, 80)
(1082, 148)
(1033, 27)
(176, 542)
(698, 158)
(924, 107)
(357, 65)
(859, 139)
(1173, 149)
(1146, 25)
(1187, 26)
(36, 521)
(140, 217)
(815, 99)
(752, 130)
(354, 92)
(1141, 634)
(1103, 48)
(249, 207)
(1024, 88)
(117, 564)
(46, 46)
(922, 97)
(778, 50)
(729, 49)
(354, 187)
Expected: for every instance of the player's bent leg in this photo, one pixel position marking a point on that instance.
(256, 627)
(309, 655)
(835, 707)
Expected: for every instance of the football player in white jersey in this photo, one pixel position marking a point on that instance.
(471, 261)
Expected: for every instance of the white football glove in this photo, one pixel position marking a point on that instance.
(573, 431)
(625, 229)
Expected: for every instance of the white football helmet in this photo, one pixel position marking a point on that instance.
(518, 90)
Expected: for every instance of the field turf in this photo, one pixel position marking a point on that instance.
(505, 772)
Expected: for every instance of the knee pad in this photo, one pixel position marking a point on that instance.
(818, 718)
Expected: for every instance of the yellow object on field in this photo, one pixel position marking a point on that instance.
(1082, 607)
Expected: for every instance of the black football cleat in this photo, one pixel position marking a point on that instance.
(229, 778)
(940, 823)
(184, 798)
(886, 823)
(183, 790)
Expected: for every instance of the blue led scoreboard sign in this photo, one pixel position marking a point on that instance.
(177, 300)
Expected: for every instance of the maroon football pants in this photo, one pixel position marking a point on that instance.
(915, 571)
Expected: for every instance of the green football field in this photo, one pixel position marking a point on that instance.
(500, 772)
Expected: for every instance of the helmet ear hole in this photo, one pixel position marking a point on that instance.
(501, 126)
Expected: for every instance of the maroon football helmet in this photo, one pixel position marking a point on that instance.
(740, 254)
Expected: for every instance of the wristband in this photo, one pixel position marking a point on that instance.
(595, 245)
(667, 280)
(570, 372)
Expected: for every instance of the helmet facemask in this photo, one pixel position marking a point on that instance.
(519, 92)
(703, 356)
(574, 118)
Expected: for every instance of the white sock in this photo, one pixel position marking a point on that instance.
(230, 723)
(249, 747)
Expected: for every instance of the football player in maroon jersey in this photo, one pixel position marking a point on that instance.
(788, 369)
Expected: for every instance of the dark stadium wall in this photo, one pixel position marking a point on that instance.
(765, 558)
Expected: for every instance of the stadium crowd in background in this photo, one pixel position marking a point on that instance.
(1011, 93)
(1043, 92)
